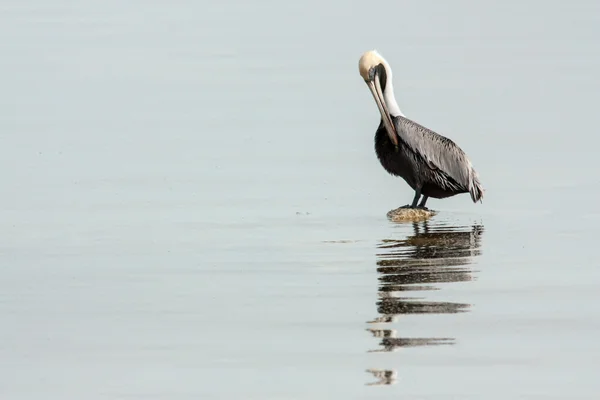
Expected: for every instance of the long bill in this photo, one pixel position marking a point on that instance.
(377, 93)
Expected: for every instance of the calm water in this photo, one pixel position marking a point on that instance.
(192, 208)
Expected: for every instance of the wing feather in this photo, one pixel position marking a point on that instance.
(438, 151)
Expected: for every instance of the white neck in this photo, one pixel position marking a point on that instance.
(390, 100)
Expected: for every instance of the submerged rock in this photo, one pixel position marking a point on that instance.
(407, 214)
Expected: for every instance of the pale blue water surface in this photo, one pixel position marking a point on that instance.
(192, 208)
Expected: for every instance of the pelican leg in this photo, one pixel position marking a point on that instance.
(416, 198)
(423, 201)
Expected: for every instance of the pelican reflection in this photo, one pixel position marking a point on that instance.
(433, 255)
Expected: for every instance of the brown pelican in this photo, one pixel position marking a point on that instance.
(433, 165)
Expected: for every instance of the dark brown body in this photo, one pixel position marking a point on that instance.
(414, 167)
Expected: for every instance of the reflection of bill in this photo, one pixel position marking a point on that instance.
(384, 376)
(434, 254)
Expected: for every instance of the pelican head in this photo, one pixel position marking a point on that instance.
(377, 74)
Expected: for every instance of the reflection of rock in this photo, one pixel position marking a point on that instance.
(433, 255)
(407, 214)
(385, 376)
